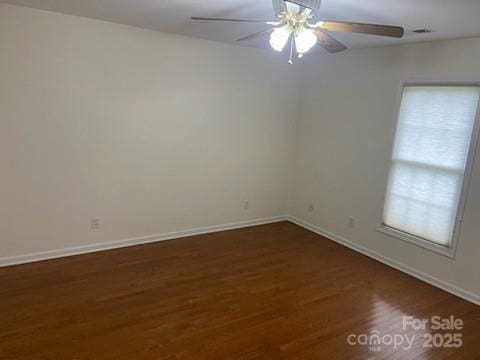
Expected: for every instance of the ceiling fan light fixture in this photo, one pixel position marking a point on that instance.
(279, 38)
(305, 40)
(297, 23)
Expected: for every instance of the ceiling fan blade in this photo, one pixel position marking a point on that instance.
(372, 29)
(268, 22)
(256, 35)
(329, 43)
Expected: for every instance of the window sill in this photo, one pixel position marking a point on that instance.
(412, 239)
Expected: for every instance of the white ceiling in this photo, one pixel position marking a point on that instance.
(449, 18)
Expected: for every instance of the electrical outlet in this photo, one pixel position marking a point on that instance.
(246, 205)
(311, 208)
(96, 222)
(351, 222)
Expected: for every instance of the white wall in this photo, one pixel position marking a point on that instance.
(152, 132)
(344, 148)
(156, 133)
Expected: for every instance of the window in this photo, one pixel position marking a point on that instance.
(430, 163)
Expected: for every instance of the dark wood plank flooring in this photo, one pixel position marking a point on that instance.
(268, 292)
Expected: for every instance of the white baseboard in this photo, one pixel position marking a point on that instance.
(464, 294)
(78, 250)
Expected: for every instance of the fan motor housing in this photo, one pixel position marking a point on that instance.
(279, 5)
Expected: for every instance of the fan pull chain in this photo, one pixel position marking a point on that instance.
(290, 61)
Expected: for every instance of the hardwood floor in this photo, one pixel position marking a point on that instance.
(268, 292)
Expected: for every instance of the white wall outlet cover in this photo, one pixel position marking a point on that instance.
(351, 222)
(96, 221)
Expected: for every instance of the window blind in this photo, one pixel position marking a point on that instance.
(429, 160)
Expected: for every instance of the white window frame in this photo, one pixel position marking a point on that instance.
(448, 251)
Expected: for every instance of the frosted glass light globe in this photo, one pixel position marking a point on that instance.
(305, 40)
(279, 38)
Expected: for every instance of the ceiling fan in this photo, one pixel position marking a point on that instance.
(296, 25)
